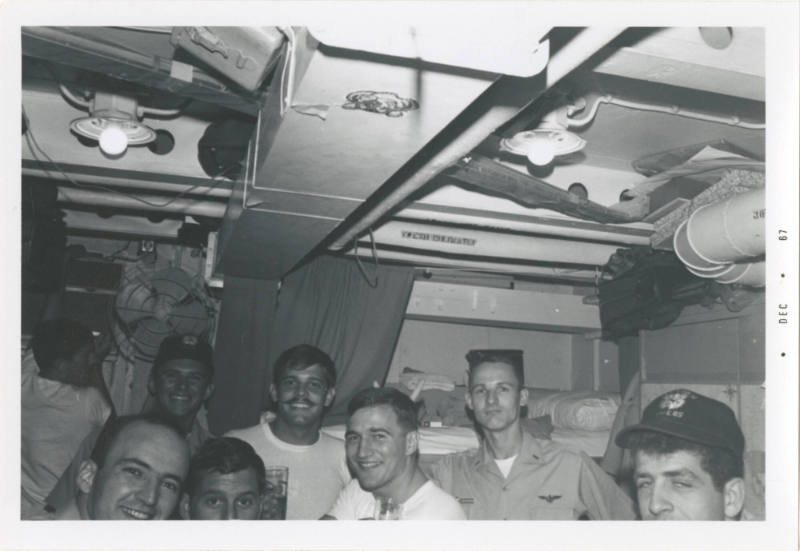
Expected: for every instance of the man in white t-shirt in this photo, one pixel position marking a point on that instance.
(304, 380)
(381, 443)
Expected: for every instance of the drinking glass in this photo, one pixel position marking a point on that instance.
(273, 506)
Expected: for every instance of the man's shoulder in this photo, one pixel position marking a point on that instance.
(248, 434)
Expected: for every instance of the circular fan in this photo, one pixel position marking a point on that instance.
(151, 306)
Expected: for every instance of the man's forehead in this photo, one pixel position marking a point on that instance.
(670, 462)
(244, 479)
(185, 365)
(151, 444)
(305, 372)
(487, 372)
(379, 416)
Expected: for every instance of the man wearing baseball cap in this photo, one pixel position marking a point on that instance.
(688, 459)
(180, 382)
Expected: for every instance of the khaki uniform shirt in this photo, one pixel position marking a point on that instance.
(547, 482)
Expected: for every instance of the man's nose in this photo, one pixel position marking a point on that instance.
(149, 491)
(364, 448)
(659, 502)
(491, 396)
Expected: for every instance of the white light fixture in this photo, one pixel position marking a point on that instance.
(114, 121)
(549, 140)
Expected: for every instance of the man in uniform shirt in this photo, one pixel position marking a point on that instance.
(513, 475)
(687, 454)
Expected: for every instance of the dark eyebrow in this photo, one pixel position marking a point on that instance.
(145, 465)
(682, 472)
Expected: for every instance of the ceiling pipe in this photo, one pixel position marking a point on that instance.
(182, 205)
(203, 187)
(487, 115)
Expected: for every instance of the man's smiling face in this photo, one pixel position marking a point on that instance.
(141, 476)
(180, 386)
(377, 447)
(302, 395)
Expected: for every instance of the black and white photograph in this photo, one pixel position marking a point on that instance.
(484, 267)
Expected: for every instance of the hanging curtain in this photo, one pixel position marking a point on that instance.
(241, 352)
(330, 304)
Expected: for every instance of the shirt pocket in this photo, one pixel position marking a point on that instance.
(549, 512)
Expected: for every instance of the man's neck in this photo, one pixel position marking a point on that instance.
(405, 485)
(298, 435)
(504, 444)
(183, 422)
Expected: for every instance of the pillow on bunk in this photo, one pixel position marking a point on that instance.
(584, 410)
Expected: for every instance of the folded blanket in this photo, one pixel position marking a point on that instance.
(418, 381)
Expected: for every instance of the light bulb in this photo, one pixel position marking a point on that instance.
(113, 140)
(541, 153)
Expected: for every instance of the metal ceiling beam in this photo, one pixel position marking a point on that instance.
(499, 104)
(59, 45)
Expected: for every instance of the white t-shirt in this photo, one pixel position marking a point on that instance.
(505, 465)
(56, 417)
(316, 472)
(428, 503)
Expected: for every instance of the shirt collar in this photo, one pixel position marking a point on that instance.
(530, 451)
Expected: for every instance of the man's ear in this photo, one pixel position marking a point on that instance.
(412, 442)
(468, 399)
(209, 391)
(183, 507)
(733, 493)
(273, 393)
(523, 397)
(329, 396)
(86, 474)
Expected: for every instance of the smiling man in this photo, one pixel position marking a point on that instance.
(303, 386)
(687, 453)
(381, 443)
(226, 482)
(135, 472)
(513, 475)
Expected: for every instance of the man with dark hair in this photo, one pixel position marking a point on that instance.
(381, 443)
(180, 382)
(135, 472)
(688, 459)
(513, 475)
(59, 407)
(226, 482)
(303, 387)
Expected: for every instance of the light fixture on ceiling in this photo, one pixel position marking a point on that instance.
(549, 140)
(114, 121)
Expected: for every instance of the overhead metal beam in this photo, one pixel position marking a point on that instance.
(60, 45)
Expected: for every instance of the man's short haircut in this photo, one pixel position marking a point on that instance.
(184, 347)
(721, 464)
(508, 357)
(116, 425)
(301, 357)
(224, 455)
(58, 339)
(401, 404)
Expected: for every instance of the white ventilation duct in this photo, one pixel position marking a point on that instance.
(724, 240)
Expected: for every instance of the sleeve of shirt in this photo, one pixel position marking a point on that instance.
(442, 473)
(346, 505)
(67, 486)
(97, 409)
(603, 499)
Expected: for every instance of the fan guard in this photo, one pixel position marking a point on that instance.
(152, 306)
